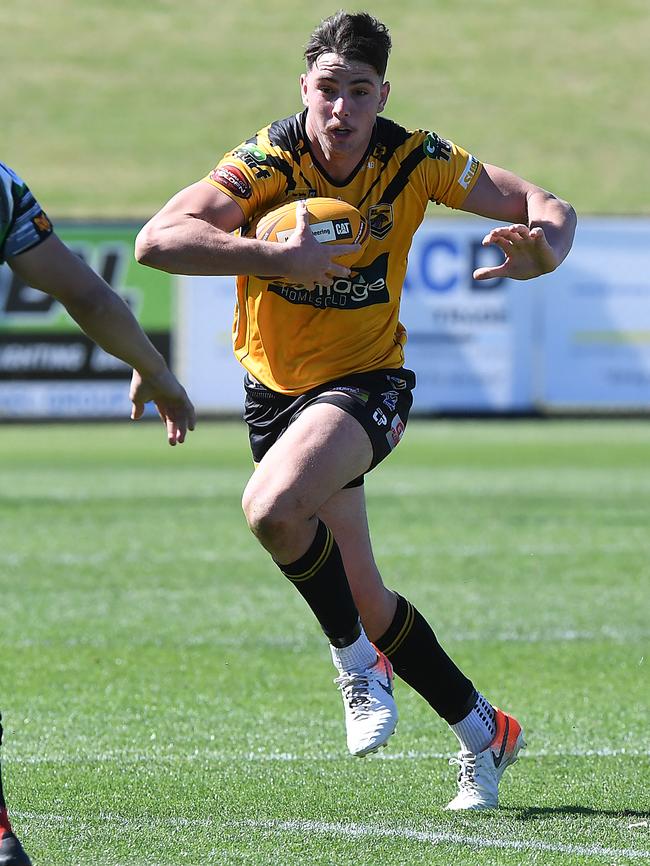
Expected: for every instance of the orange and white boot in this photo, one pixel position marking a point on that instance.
(479, 775)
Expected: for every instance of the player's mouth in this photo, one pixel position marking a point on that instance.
(340, 133)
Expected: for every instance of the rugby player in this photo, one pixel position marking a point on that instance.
(327, 392)
(35, 253)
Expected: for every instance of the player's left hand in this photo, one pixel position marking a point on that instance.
(173, 404)
(528, 253)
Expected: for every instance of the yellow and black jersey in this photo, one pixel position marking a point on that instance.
(292, 339)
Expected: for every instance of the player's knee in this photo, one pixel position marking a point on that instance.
(269, 517)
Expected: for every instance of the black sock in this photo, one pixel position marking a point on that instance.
(419, 660)
(320, 578)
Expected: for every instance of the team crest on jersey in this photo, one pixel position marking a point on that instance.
(380, 217)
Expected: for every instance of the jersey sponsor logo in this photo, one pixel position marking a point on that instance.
(390, 399)
(394, 435)
(253, 150)
(233, 179)
(363, 288)
(436, 147)
(252, 156)
(470, 170)
(380, 217)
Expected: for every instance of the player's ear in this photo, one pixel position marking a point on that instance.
(303, 89)
(384, 90)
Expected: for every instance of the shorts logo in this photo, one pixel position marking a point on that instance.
(396, 382)
(380, 217)
(379, 418)
(357, 394)
(396, 432)
(232, 179)
(390, 399)
(436, 147)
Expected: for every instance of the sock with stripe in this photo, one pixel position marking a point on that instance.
(419, 660)
(320, 578)
(476, 731)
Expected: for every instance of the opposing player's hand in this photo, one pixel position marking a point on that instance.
(528, 253)
(311, 263)
(171, 401)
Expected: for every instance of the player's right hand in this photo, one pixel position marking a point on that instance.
(310, 263)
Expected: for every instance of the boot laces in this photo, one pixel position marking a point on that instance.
(355, 689)
(466, 763)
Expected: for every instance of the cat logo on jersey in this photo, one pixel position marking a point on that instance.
(380, 217)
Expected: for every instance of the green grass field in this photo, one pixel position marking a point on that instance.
(112, 106)
(168, 700)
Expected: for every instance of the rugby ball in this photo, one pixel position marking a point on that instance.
(331, 222)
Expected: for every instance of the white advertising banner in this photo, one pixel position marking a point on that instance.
(204, 360)
(595, 318)
(468, 341)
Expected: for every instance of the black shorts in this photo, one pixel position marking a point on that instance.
(380, 401)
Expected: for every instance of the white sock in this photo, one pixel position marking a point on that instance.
(476, 731)
(354, 658)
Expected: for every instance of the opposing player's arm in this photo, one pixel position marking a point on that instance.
(51, 267)
(541, 228)
(192, 234)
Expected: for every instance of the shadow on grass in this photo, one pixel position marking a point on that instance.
(533, 812)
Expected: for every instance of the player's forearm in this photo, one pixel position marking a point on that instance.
(556, 217)
(196, 247)
(107, 320)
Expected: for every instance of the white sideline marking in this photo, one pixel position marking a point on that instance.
(356, 830)
(126, 757)
(349, 831)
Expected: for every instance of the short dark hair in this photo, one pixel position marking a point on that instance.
(355, 36)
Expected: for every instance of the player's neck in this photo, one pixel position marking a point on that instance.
(339, 166)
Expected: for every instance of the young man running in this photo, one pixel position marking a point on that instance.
(327, 393)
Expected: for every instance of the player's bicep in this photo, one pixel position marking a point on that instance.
(498, 194)
(201, 201)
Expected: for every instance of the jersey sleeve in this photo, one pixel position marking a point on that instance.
(252, 176)
(450, 171)
(23, 223)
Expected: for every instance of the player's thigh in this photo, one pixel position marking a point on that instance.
(319, 453)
